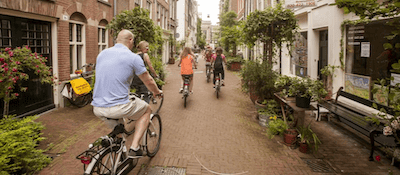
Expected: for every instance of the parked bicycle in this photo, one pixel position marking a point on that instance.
(78, 90)
(217, 84)
(108, 155)
(186, 85)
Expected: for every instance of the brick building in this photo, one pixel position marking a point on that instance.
(70, 33)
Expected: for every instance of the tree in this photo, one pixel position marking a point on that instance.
(273, 27)
(200, 41)
(230, 32)
(139, 23)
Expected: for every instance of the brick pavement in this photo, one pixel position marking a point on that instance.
(223, 136)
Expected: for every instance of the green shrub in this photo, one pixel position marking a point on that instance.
(18, 139)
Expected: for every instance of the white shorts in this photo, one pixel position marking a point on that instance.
(132, 110)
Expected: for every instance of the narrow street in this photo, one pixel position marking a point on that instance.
(210, 136)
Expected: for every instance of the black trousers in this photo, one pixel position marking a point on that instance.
(219, 71)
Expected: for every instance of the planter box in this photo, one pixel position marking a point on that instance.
(235, 66)
(171, 61)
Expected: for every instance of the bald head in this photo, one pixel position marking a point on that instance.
(125, 37)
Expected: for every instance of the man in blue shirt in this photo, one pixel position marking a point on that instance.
(114, 72)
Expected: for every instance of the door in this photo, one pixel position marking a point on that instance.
(18, 32)
(323, 52)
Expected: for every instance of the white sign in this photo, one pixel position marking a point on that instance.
(395, 80)
(299, 3)
(365, 49)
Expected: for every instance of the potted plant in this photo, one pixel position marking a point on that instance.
(276, 126)
(305, 90)
(328, 71)
(270, 110)
(234, 63)
(308, 139)
(259, 78)
(283, 82)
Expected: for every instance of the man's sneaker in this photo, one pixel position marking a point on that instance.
(214, 86)
(135, 154)
(222, 83)
(180, 90)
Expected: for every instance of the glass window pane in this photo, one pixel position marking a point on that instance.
(38, 42)
(6, 42)
(103, 35)
(71, 49)
(38, 27)
(31, 26)
(78, 33)
(70, 31)
(38, 35)
(24, 34)
(31, 35)
(46, 28)
(5, 24)
(79, 56)
(98, 35)
(31, 42)
(24, 26)
(104, 47)
(39, 50)
(25, 42)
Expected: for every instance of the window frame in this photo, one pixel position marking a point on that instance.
(75, 45)
(100, 44)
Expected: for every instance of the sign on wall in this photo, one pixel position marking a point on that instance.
(299, 3)
(358, 85)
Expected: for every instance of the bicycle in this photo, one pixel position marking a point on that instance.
(108, 155)
(186, 85)
(148, 97)
(208, 71)
(75, 98)
(217, 84)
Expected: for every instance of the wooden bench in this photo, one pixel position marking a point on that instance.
(356, 118)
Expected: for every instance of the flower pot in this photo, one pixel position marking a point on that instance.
(235, 66)
(252, 92)
(303, 147)
(259, 105)
(171, 61)
(263, 120)
(303, 102)
(290, 137)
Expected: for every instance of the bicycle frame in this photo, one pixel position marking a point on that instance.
(186, 85)
(122, 150)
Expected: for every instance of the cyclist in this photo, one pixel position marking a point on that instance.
(217, 60)
(207, 57)
(143, 48)
(187, 63)
(114, 71)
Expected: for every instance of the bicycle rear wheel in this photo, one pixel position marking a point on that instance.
(153, 136)
(80, 100)
(107, 159)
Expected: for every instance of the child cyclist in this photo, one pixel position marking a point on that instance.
(187, 63)
(216, 61)
(208, 56)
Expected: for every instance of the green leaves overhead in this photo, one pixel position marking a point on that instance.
(273, 26)
(138, 22)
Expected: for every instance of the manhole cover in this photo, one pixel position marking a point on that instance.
(199, 72)
(318, 165)
(162, 171)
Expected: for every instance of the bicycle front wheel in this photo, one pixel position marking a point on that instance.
(153, 136)
(155, 104)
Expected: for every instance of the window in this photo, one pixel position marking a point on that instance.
(5, 33)
(369, 53)
(158, 14)
(148, 6)
(76, 45)
(36, 36)
(299, 55)
(102, 39)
